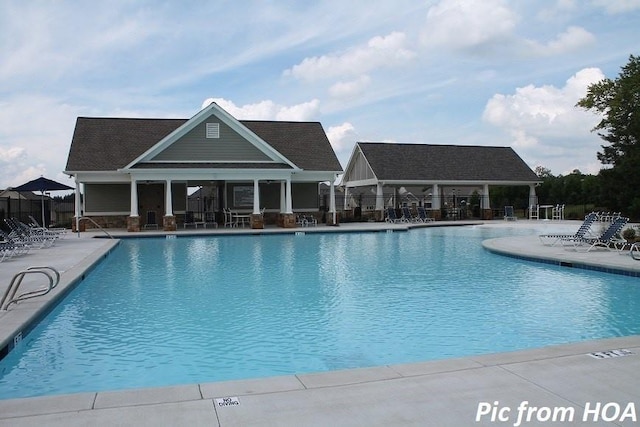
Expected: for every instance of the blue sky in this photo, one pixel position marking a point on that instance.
(470, 72)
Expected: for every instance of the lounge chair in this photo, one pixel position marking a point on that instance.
(606, 240)
(634, 251)
(534, 212)
(61, 231)
(29, 236)
(391, 216)
(151, 220)
(422, 214)
(509, 214)
(553, 239)
(407, 216)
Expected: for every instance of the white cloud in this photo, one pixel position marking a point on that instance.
(573, 38)
(351, 88)
(11, 154)
(341, 137)
(35, 134)
(387, 51)
(618, 6)
(463, 24)
(268, 110)
(545, 121)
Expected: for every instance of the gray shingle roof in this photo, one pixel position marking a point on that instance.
(429, 162)
(107, 144)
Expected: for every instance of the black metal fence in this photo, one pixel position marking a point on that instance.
(55, 213)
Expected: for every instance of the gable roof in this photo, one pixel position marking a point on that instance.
(430, 162)
(109, 144)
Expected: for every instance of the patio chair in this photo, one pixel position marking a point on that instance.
(553, 239)
(407, 216)
(534, 212)
(391, 216)
(228, 218)
(509, 214)
(634, 251)
(151, 220)
(557, 213)
(311, 220)
(12, 245)
(210, 219)
(607, 240)
(422, 214)
(28, 236)
(61, 231)
(189, 220)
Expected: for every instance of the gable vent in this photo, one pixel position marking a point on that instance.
(213, 130)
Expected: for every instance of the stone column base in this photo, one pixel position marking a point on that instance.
(287, 220)
(169, 223)
(82, 225)
(256, 221)
(487, 214)
(330, 219)
(436, 214)
(133, 223)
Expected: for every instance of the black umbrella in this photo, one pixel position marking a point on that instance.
(42, 184)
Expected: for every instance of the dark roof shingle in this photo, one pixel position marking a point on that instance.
(107, 144)
(430, 162)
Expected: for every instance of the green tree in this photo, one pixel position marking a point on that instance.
(618, 103)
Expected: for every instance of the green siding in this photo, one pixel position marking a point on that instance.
(194, 146)
(107, 197)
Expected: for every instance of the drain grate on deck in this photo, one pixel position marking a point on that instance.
(608, 354)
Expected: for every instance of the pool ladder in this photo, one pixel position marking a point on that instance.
(10, 297)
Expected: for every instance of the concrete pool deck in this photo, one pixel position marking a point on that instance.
(586, 383)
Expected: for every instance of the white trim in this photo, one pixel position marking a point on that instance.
(107, 213)
(201, 116)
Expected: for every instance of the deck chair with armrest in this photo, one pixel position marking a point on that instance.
(152, 222)
(509, 214)
(582, 232)
(391, 216)
(422, 214)
(607, 240)
(210, 219)
(407, 216)
(189, 219)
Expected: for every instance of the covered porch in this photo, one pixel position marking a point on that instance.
(163, 200)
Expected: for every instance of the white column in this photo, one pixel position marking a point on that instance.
(346, 197)
(168, 202)
(533, 199)
(134, 198)
(78, 206)
(283, 197)
(379, 197)
(486, 200)
(435, 197)
(288, 203)
(332, 201)
(256, 197)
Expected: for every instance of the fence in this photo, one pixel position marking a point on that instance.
(58, 213)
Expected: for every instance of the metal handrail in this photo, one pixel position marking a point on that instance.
(10, 297)
(94, 223)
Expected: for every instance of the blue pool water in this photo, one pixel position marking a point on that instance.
(160, 312)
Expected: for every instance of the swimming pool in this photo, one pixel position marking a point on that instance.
(160, 312)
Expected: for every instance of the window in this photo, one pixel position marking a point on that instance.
(213, 130)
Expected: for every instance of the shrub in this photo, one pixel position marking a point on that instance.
(629, 234)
